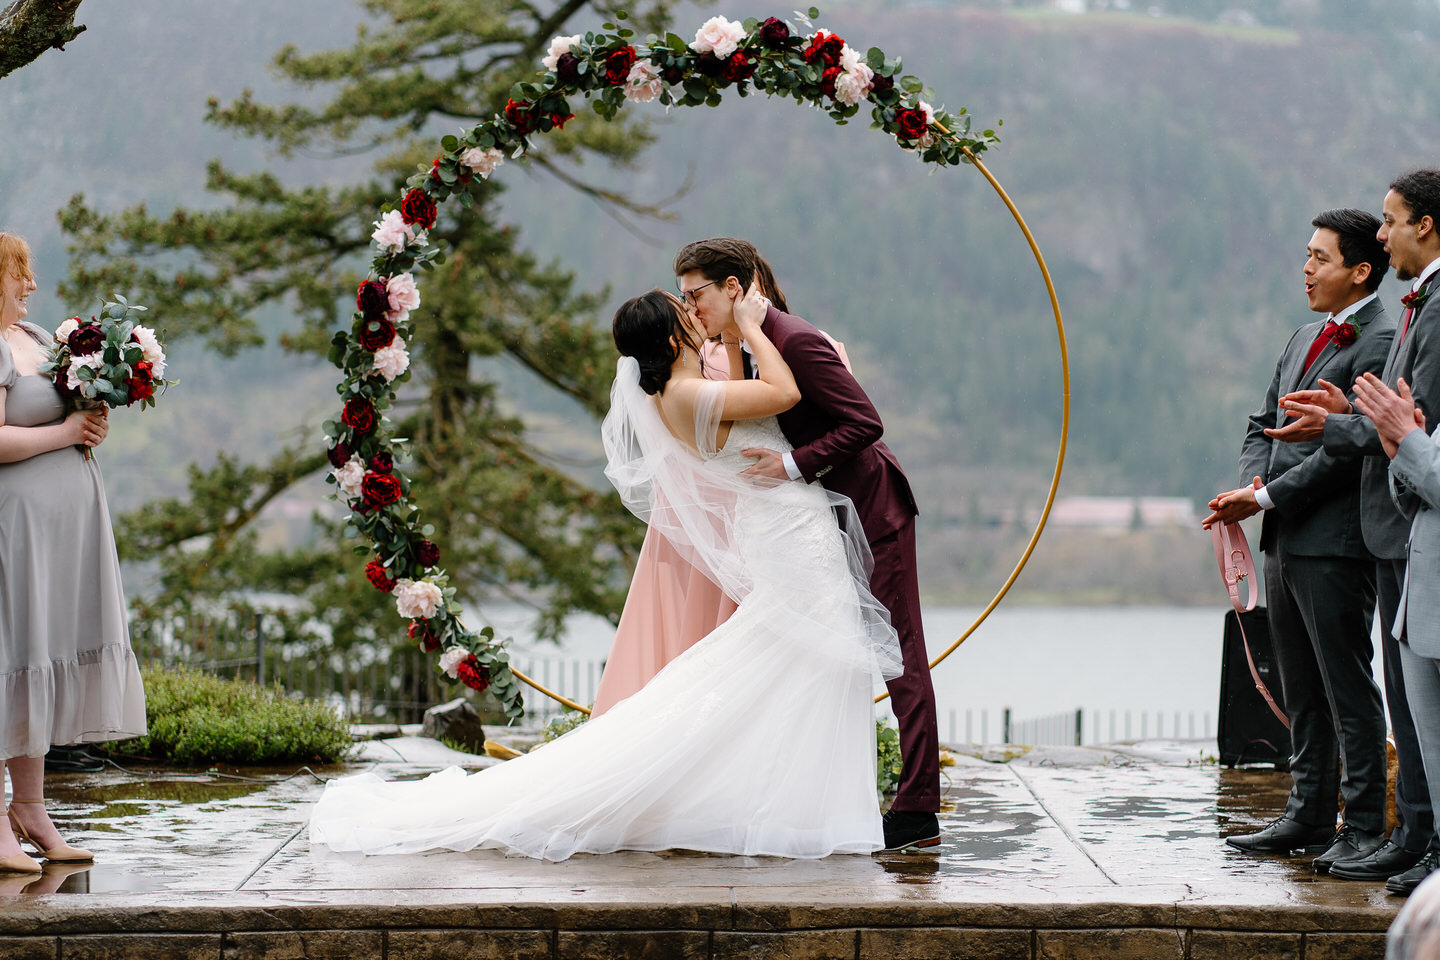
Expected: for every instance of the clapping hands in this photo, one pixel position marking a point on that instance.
(1309, 408)
(1396, 414)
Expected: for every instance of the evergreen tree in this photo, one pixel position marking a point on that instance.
(510, 519)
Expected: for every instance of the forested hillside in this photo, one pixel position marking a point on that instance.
(1168, 166)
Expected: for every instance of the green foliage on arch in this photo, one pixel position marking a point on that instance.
(608, 69)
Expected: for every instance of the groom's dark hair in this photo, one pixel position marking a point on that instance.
(1358, 244)
(718, 258)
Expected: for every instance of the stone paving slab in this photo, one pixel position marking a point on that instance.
(1059, 852)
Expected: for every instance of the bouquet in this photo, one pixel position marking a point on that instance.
(107, 361)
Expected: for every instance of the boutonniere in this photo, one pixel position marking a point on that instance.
(1415, 298)
(1345, 334)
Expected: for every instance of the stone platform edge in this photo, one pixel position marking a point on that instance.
(249, 926)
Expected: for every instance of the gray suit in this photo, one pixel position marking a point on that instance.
(1320, 588)
(1417, 623)
(1416, 357)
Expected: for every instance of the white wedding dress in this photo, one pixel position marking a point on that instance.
(758, 740)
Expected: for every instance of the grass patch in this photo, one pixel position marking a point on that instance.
(197, 719)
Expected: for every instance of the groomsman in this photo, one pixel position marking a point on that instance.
(1411, 234)
(1319, 578)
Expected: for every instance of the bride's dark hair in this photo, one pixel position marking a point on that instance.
(651, 328)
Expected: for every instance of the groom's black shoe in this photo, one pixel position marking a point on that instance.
(1282, 836)
(906, 830)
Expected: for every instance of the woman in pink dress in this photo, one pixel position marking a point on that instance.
(671, 605)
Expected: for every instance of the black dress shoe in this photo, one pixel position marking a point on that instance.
(1282, 836)
(1384, 863)
(1405, 883)
(72, 760)
(1349, 844)
(907, 830)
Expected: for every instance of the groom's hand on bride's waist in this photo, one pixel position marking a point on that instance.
(769, 464)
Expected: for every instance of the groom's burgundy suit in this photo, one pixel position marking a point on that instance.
(836, 435)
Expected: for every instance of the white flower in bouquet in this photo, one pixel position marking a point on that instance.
(404, 296)
(88, 361)
(558, 48)
(348, 477)
(391, 360)
(150, 347)
(62, 332)
(392, 232)
(417, 598)
(451, 659)
(855, 77)
(644, 83)
(718, 36)
(929, 138)
(483, 161)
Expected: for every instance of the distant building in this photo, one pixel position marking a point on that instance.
(1124, 513)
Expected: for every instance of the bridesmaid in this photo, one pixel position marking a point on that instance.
(67, 673)
(671, 605)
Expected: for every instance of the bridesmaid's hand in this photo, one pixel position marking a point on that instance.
(90, 426)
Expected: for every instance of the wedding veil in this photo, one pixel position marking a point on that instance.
(796, 547)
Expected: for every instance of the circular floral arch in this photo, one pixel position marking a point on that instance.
(609, 69)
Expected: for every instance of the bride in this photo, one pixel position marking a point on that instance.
(758, 740)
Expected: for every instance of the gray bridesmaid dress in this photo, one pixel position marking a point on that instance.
(67, 673)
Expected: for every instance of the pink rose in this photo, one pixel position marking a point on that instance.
(718, 36)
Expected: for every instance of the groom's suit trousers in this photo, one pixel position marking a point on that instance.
(912, 696)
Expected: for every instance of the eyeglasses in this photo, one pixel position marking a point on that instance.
(689, 295)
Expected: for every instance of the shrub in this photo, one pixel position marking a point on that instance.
(195, 718)
(888, 763)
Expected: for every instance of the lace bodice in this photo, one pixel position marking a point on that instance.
(751, 433)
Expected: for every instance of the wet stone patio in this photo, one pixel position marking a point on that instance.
(1109, 851)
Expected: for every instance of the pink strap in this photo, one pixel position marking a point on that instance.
(1232, 552)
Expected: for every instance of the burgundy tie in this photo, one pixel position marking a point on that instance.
(1405, 324)
(1326, 334)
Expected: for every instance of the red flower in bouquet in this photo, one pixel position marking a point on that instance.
(359, 415)
(879, 84)
(382, 462)
(824, 47)
(558, 120)
(417, 207)
(339, 455)
(372, 299)
(618, 64)
(827, 81)
(142, 382)
(420, 630)
(472, 674)
(86, 338)
(912, 123)
(517, 113)
(567, 69)
(379, 579)
(774, 33)
(381, 489)
(376, 334)
(427, 554)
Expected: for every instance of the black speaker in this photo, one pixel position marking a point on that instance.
(1249, 732)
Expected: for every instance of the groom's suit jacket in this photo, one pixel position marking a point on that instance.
(1416, 357)
(1317, 494)
(835, 430)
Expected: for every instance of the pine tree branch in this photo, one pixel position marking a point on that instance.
(28, 28)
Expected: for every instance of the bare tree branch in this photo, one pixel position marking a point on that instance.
(30, 27)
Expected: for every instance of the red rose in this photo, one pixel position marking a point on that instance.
(880, 84)
(427, 553)
(420, 630)
(912, 123)
(472, 674)
(379, 579)
(738, 67)
(517, 113)
(142, 383)
(567, 69)
(339, 455)
(86, 338)
(825, 48)
(359, 415)
(381, 489)
(382, 462)
(1345, 334)
(709, 65)
(618, 64)
(376, 333)
(827, 81)
(558, 120)
(371, 299)
(673, 74)
(774, 33)
(417, 207)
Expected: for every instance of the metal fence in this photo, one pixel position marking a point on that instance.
(1078, 727)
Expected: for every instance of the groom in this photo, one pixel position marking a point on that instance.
(835, 433)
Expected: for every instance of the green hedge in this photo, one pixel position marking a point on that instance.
(195, 718)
